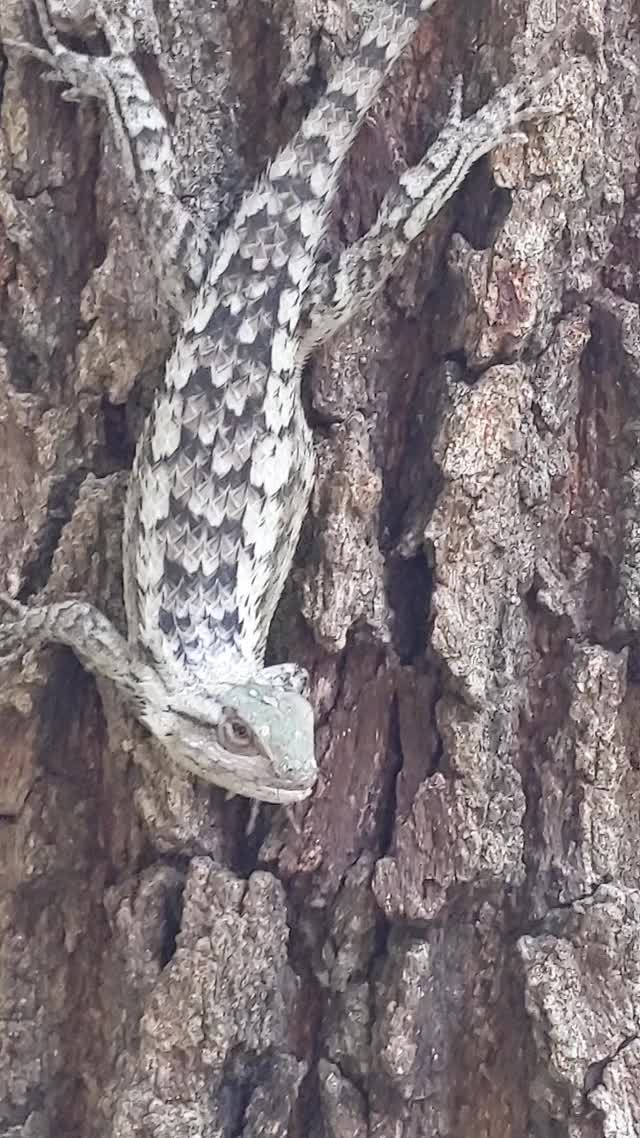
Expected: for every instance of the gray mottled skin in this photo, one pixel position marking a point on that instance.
(224, 466)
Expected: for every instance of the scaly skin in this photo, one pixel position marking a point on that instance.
(224, 466)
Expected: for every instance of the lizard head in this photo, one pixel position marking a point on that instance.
(251, 738)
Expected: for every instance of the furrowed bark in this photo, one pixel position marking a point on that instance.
(445, 939)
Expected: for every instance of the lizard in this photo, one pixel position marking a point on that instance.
(224, 465)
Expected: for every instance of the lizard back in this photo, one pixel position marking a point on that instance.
(224, 467)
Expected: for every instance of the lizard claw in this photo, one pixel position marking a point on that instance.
(11, 637)
(454, 114)
(10, 603)
(23, 48)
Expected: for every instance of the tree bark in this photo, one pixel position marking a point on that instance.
(445, 940)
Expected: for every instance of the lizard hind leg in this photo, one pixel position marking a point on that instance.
(344, 287)
(174, 236)
(83, 74)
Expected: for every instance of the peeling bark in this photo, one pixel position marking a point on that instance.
(445, 940)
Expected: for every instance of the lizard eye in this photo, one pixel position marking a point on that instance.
(234, 735)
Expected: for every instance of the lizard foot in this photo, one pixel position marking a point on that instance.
(84, 75)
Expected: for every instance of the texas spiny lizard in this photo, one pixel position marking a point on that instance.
(224, 466)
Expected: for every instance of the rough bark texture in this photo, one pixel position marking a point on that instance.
(447, 940)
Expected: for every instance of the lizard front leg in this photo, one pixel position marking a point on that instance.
(174, 238)
(82, 627)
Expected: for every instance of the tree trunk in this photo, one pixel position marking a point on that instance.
(445, 939)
